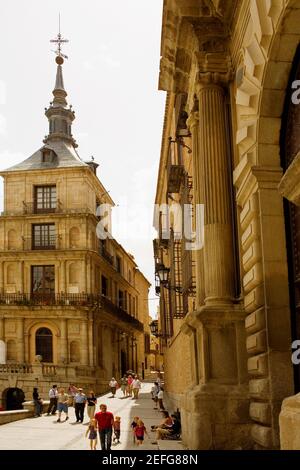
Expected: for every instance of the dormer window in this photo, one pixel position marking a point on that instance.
(48, 156)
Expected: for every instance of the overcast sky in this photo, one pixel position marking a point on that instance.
(111, 78)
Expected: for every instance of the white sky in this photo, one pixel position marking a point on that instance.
(111, 78)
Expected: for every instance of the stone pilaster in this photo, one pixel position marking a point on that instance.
(22, 277)
(20, 340)
(1, 277)
(63, 341)
(91, 341)
(84, 343)
(62, 287)
(2, 329)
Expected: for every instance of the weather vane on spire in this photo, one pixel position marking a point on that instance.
(59, 41)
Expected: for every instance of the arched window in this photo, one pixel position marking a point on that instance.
(11, 350)
(74, 351)
(44, 344)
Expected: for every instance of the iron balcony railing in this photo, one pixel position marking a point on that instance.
(175, 168)
(29, 208)
(105, 254)
(84, 300)
(32, 208)
(109, 306)
(50, 242)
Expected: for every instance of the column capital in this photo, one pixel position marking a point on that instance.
(214, 68)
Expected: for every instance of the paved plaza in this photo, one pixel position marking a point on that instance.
(45, 433)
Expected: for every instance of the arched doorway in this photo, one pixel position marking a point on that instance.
(290, 146)
(12, 399)
(44, 344)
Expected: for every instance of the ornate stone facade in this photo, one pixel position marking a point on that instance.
(228, 66)
(73, 307)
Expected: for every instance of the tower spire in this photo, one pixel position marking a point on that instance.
(60, 117)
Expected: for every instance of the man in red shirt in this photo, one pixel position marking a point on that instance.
(105, 420)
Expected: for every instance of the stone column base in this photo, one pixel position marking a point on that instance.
(289, 423)
(216, 417)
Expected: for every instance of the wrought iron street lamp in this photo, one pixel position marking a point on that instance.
(163, 274)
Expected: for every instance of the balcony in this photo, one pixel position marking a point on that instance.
(107, 305)
(31, 208)
(70, 300)
(105, 254)
(39, 299)
(46, 243)
(175, 168)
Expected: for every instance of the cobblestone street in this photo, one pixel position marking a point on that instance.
(45, 433)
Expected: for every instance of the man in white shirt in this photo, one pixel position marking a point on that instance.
(136, 386)
(53, 394)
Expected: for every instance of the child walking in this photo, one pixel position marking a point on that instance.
(117, 429)
(92, 432)
(133, 426)
(140, 431)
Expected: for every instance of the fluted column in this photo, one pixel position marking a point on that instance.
(84, 343)
(215, 179)
(193, 123)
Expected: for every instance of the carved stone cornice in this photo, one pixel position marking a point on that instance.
(214, 69)
(193, 30)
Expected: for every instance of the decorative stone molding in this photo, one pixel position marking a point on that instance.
(213, 68)
(192, 30)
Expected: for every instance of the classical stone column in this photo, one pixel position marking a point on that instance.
(193, 123)
(84, 343)
(20, 340)
(214, 178)
(63, 341)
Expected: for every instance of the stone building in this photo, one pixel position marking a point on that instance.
(72, 306)
(230, 309)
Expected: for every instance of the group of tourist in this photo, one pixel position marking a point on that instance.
(60, 401)
(130, 386)
(103, 422)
